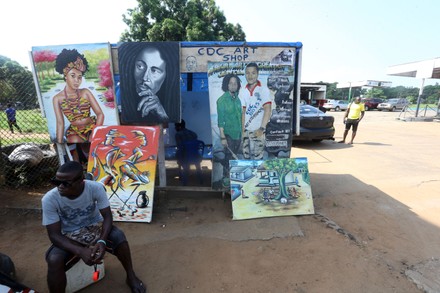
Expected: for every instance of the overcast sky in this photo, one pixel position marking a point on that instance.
(343, 40)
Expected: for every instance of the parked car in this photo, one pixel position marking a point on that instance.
(393, 104)
(315, 125)
(336, 105)
(371, 103)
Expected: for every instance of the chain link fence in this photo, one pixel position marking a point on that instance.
(28, 157)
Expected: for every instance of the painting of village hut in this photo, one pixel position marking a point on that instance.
(270, 188)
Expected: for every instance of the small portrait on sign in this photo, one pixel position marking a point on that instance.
(285, 57)
(191, 63)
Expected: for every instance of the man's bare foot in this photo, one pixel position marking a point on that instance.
(341, 141)
(136, 285)
(350, 142)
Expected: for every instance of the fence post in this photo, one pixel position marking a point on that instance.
(2, 165)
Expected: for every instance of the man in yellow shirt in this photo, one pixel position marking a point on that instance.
(354, 114)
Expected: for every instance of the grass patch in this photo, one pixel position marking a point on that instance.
(46, 85)
(30, 122)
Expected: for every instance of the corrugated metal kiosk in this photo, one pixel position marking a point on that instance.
(204, 64)
(203, 67)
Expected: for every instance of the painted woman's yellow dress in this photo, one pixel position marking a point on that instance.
(75, 109)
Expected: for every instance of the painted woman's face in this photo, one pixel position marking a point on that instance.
(74, 78)
(232, 85)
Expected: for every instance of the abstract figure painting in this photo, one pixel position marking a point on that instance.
(271, 188)
(123, 159)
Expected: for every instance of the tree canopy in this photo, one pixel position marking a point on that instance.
(375, 93)
(283, 167)
(179, 20)
(16, 83)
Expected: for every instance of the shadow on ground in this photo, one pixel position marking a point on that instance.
(192, 237)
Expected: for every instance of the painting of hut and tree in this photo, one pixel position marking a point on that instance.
(270, 188)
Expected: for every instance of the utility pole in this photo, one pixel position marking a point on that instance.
(419, 98)
(349, 92)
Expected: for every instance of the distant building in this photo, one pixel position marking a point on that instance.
(313, 93)
(425, 69)
(364, 84)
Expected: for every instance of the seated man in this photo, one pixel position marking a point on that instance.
(182, 133)
(79, 222)
(189, 150)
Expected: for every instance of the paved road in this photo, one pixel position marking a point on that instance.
(384, 188)
(399, 158)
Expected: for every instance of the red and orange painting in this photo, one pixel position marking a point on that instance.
(123, 159)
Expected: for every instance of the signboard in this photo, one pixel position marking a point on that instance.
(196, 58)
(268, 106)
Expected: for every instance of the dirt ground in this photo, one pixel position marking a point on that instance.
(7, 135)
(376, 205)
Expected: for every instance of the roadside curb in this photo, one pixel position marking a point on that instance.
(425, 275)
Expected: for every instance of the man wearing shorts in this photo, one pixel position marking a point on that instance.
(79, 222)
(354, 114)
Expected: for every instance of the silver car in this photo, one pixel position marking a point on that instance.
(336, 105)
(393, 104)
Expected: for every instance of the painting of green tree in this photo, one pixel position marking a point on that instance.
(271, 188)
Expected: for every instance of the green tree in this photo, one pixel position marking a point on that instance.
(179, 20)
(393, 92)
(401, 92)
(333, 93)
(410, 92)
(93, 58)
(375, 93)
(16, 83)
(431, 94)
(283, 167)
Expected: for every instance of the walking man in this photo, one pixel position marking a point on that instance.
(10, 115)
